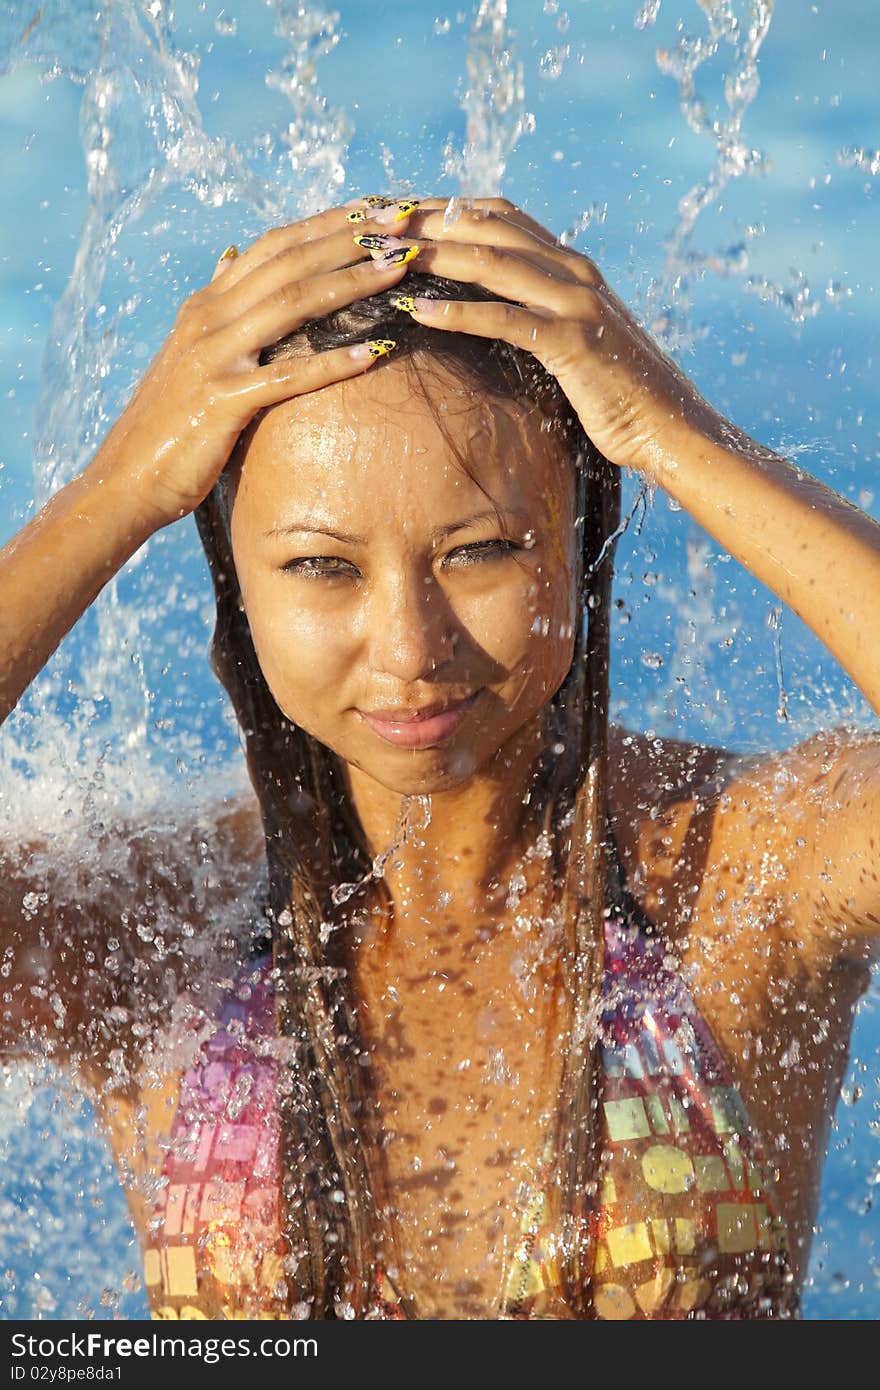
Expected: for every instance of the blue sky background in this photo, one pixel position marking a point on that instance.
(696, 651)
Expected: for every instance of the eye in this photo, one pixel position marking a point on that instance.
(480, 551)
(321, 567)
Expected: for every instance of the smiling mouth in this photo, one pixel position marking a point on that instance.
(423, 728)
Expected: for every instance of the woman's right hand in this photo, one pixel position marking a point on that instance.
(205, 385)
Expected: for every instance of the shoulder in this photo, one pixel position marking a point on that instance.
(706, 834)
(664, 790)
(656, 787)
(694, 824)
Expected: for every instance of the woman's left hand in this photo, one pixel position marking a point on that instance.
(632, 400)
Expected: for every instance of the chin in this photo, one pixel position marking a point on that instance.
(422, 772)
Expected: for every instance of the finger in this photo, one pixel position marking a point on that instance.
(277, 240)
(426, 249)
(271, 242)
(472, 211)
(522, 327)
(532, 281)
(296, 263)
(294, 303)
(490, 228)
(388, 212)
(297, 376)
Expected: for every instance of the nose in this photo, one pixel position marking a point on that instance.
(412, 628)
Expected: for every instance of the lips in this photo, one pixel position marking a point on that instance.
(425, 727)
(405, 716)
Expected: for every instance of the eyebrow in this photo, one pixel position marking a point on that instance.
(439, 533)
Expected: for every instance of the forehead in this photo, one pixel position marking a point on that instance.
(375, 447)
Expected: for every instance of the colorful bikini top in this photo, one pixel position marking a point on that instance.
(687, 1224)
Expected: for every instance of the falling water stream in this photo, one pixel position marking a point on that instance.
(125, 721)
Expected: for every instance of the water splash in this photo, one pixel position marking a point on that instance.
(668, 297)
(854, 157)
(647, 15)
(594, 215)
(159, 192)
(157, 182)
(493, 105)
(403, 833)
(317, 138)
(774, 622)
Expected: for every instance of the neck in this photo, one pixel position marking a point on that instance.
(460, 847)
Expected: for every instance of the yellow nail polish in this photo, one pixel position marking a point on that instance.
(230, 253)
(406, 208)
(379, 347)
(409, 255)
(372, 203)
(404, 302)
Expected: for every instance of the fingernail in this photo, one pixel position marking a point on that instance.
(414, 304)
(396, 257)
(230, 253)
(395, 212)
(380, 347)
(377, 241)
(376, 347)
(366, 203)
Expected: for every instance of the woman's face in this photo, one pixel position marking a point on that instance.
(380, 580)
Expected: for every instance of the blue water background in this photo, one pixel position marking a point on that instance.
(608, 131)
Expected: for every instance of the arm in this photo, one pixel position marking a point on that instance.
(820, 554)
(817, 552)
(159, 461)
(167, 450)
(57, 565)
(822, 801)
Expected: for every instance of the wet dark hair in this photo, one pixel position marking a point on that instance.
(333, 1184)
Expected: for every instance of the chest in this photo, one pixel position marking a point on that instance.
(465, 1070)
(682, 1192)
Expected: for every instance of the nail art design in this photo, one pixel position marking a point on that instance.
(404, 302)
(375, 241)
(398, 257)
(379, 347)
(230, 253)
(394, 212)
(373, 200)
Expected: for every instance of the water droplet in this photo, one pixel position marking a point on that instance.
(552, 63)
(647, 14)
(653, 661)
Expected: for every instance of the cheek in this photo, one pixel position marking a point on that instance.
(303, 653)
(526, 626)
(551, 637)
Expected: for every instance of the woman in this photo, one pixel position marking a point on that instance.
(543, 1018)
